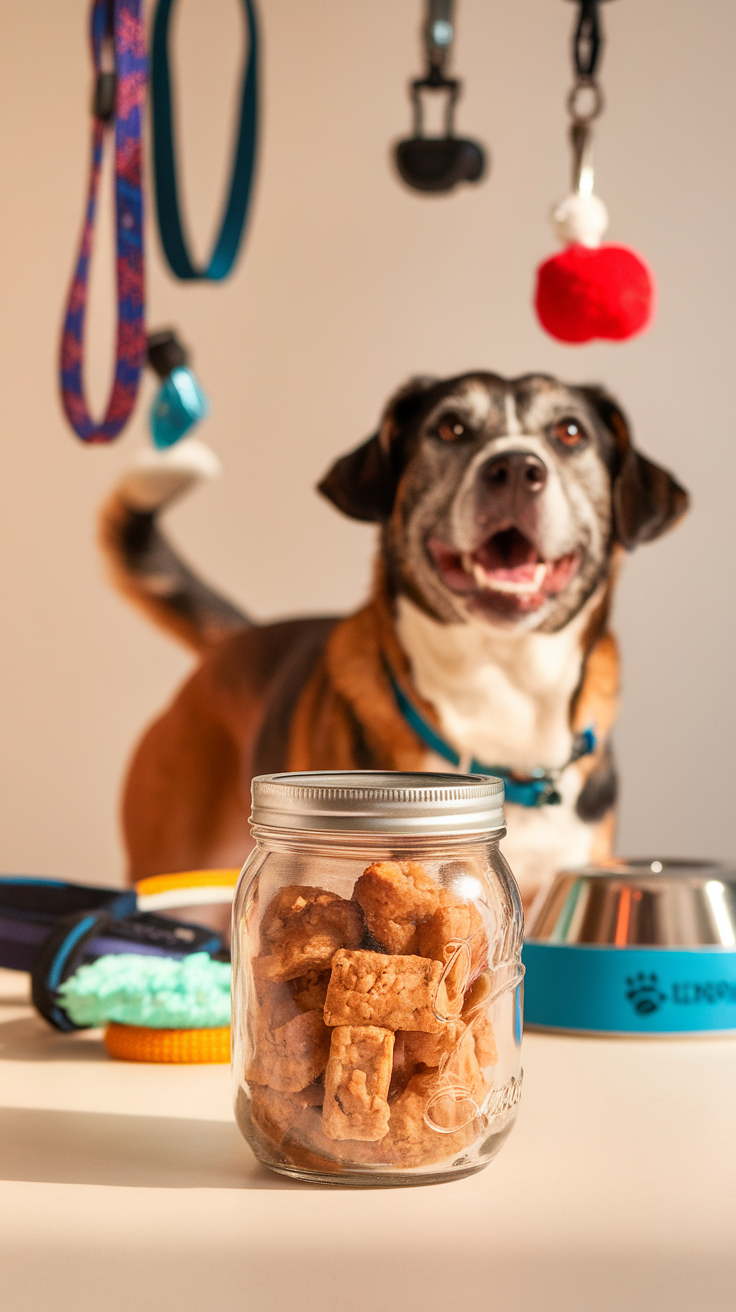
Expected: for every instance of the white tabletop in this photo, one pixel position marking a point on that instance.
(127, 1188)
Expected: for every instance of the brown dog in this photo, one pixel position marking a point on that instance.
(505, 507)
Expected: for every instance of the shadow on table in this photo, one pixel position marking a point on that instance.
(137, 1152)
(30, 1038)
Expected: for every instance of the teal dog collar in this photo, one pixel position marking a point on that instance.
(537, 789)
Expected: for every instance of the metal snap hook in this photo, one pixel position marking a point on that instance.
(578, 113)
(438, 163)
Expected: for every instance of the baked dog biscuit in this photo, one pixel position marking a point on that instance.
(309, 991)
(403, 1066)
(485, 1041)
(411, 1140)
(431, 1049)
(282, 1121)
(285, 906)
(276, 1003)
(396, 896)
(292, 1056)
(356, 1083)
(475, 1015)
(273, 1113)
(460, 1069)
(301, 929)
(454, 921)
(395, 992)
(312, 1096)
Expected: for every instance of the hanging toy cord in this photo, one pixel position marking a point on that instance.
(590, 290)
(582, 216)
(171, 229)
(119, 58)
(438, 163)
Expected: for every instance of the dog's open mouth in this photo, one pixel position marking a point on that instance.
(505, 573)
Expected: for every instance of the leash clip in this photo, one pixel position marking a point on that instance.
(103, 101)
(549, 795)
(438, 163)
(180, 402)
(539, 788)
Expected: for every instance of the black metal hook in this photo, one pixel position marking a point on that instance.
(588, 40)
(438, 163)
(105, 90)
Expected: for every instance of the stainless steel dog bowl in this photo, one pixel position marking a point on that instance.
(642, 947)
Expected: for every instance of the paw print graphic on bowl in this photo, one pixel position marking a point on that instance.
(644, 994)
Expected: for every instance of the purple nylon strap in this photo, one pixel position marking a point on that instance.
(127, 116)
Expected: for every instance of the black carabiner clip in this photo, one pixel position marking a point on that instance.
(438, 163)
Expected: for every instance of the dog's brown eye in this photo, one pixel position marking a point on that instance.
(451, 429)
(569, 432)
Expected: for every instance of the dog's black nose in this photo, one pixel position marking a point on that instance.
(515, 471)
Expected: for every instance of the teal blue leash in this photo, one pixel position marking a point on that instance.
(167, 192)
(539, 789)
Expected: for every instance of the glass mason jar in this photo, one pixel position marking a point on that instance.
(377, 978)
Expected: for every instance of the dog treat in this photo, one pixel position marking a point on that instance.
(396, 896)
(458, 1053)
(302, 928)
(356, 1082)
(485, 1041)
(460, 1070)
(475, 1015)
(287, 1123)
(371, 1057)
(395, 992)
(452, 923)
(309, 991)
(476, 998)
(431, 1049)
(411, 1141)
(292, 1056)
(277, 1004)
(403, 1067)
(274, 1113)
(312, 1096)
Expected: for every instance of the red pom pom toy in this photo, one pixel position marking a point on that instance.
(586, 292)
(590, 290)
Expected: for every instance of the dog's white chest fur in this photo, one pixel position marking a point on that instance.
(504, 698)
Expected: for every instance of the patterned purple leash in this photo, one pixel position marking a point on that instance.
(119, 99)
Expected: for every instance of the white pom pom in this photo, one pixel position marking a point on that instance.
(580, 218)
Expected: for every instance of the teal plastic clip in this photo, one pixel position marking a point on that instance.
(179, 404)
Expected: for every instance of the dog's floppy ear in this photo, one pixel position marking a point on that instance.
(363, 483)
(647, 500)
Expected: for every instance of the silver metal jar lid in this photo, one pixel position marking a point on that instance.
(377, 801)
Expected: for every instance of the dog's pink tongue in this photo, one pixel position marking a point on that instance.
(509, 557)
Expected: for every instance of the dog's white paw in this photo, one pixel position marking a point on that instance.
(157, 478)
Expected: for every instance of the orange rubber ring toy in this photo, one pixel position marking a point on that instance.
(180, 1047)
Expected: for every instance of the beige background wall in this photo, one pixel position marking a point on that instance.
(349, 284)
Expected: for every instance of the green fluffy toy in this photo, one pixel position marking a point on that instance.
(156, 992)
